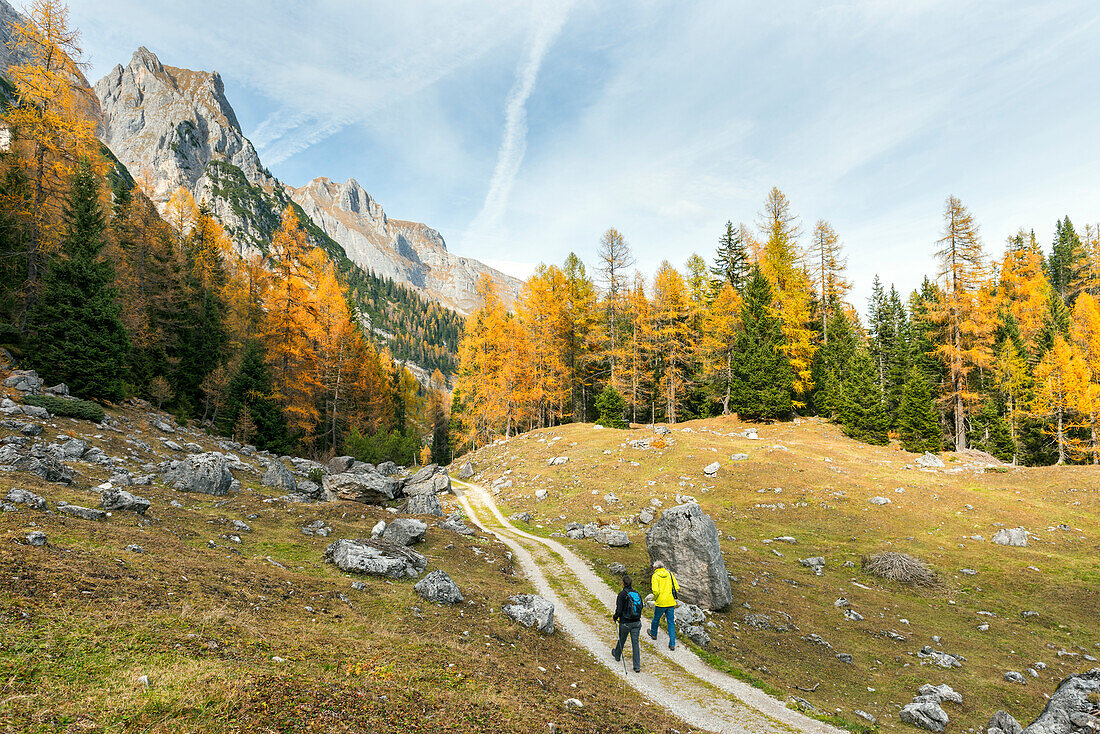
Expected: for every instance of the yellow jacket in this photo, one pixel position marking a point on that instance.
(662, 584)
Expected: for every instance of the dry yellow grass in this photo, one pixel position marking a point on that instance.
(83, 620)
(808, 481)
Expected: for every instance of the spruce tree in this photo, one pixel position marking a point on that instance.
(1066, 260)
(918, 420)
(831, 364)
(731, 261)
(992, 432)
(250, 393)
(78, 337)
(863, 414)
(762, 375)
(612, 408)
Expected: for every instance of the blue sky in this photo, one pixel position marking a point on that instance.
(522, 130)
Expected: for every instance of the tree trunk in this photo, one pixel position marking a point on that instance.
(1061, 440)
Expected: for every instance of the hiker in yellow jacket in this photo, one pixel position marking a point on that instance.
(665, 589)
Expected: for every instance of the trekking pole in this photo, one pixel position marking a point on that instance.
(622, 651)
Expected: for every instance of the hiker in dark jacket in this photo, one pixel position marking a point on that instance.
(628, 613)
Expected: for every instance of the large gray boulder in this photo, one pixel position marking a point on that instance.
(405, 531)
(204, 473)
(531, 611)
(685, 539)
(375, 557)
(25, 381)
(1070, 707)
(370, 487)
(466, 471)
(423, 504)
(613, 538)
(926, 715)
(439, 588)
(116, 499)
(278, 476)
(930, 461)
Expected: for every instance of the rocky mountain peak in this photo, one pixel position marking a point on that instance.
(144, 58)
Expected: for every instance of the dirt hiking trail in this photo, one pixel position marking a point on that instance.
(679, 680)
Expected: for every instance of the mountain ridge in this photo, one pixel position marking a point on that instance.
(175, 127)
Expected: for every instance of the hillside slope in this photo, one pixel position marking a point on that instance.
(787, 628)
(218, 614)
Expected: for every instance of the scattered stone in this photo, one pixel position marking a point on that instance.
(378, 529)
(1015, 537)
(36, 538)
(25, 497)
(405, 531)
(845, 658)
(521, 517)
(613, 538)
(865, 716)
(204, 473)
(712, 469)
(816, 563)
(926, 715)
(786, 539)
(880, 501)
(438, 587)
(930, 461)
(739, 457)
(645, 517)
(540, 494)
(466, 471)
(573, 704)
(319, 529)
(1005, 723)
(455, 524)
(241, 526)
(358, 586)
(685, 539)
(119, 499)
(132, 548)
(968, 572)
(26, 381)
(375, 557)
(531, 611)
(86, 513)
(852, 615)
(1013, 676)
(941, 693)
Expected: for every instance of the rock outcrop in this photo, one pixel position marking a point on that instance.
(369, 487)
(685, 539)
(1073, 706)
(438, 587)
(531, 611)
(204, 473)
(375, 557)
(408, 252)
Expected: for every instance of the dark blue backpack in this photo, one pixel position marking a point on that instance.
(633, 607)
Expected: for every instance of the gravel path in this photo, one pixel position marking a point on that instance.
(678, 680)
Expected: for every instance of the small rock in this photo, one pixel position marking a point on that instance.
(438, 587)
(36, 538)
(1013, 676)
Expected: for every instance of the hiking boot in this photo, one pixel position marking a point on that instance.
(637, 670)
(652, 634)
(617, 658)
(671, 647)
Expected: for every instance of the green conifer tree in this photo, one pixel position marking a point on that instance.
(250, 389)
(612, 408)
(831, 365)
(918, 420)
(762, 375)
(78, 337)
(863, 413)
(731, 263)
